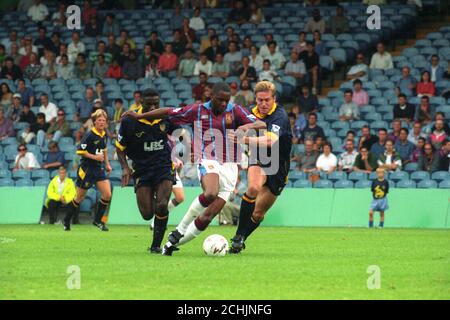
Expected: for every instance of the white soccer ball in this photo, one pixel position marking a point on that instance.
(215, 245)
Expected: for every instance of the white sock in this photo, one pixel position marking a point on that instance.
(170, 205)
(193, 212)
(191, 233)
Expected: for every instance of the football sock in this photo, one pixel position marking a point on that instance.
(197, 207)
(159, 229)
(194, 229)
(100, 210)
(251, 227)
(370, 224)
(172, 204)
(71, 209)
(381, 224)
(245, 214)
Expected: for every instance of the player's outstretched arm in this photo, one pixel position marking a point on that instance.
(257, 125)
(150, 115)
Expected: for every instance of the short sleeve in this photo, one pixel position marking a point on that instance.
(122, 136)
(82, 148)
(242, 116)
(185, 115)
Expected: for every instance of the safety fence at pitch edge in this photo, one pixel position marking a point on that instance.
(409, 208)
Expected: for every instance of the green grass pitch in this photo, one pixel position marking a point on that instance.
(279, 263)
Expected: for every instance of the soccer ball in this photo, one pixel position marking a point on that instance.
(215, 245)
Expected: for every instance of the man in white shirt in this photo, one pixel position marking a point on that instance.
(347, 159)
(196, 22)
(435, 70)
(38, 12)
(295, 68)
(48, 108)
(264, 50)
(381, 59)
(203, 66)
(348, 110)
(75, 47)
(276, 58)
(25, 160)
(327, 161)
(28, 42)
(360, 70)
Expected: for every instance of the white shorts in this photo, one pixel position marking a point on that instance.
(228, 174)
(178, 182)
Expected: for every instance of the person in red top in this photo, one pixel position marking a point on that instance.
(199, 89)
(425, 87)
(187, 33)
(114, 70)
(88, 11)
(168, 60)
(25, 61)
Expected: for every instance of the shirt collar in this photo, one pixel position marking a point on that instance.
(145, 121)
(256, 111)
(101, 135)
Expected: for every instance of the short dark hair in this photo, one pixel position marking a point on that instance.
(150, 93)
(118, 100)
(348, 91)
(425, 97)
(313, 114)
(405, 130)
(357, 81)
(137, 92)
(351, 131)
(402, 95)
(382, 129)
(221, 86)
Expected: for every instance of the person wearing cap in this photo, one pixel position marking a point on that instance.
(15, 109)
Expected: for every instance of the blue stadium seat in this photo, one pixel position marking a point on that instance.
(357, 175)
(6, 182)
(337, 175)
(427, 184)
(23, 183)
(21, 174)
(343, 184)
(362, 184)
(444, 184)
(40, 174)
(5, 174)
(419, 176)
(440, 176)
(410, 167)
(406, 184)
(296, 175)
(86, 205)
(399, 175)
(323, 184)
(41, 182)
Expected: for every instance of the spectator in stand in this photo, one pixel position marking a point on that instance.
(339, 23)
(307, 160)
(360, 70)
(49, 71)
(59, 128)
(311, 61)
(246, 92)
(233, 57)
(178, 45)
(37, 128)
(425, 112)
(416, 133)
(125, 38)
(403, 110)
(318, 144)
(220, 68)
(6, 127)
(110, 26)
(312, 130)
(432, 126)
(85, 106)
(367, 139)
(93, 28)
(381, 59)
(114, 70)
(300, 119)
(296, 132)
(118, 111)
(307, 101)
(347, 158)
(26, 93)
(203, 66)
(396, 125)
(156, 44)
(176, 20)
(187, 64)
(82, 69)
(10, 70)
(43, 41)
(25, 160)
(6, 95)
(15, 55)
(55, 157)
(132, 68)
(168, 60)
(238, 14)
(75, 47)
(360, 96)
(196, 22)
(88, 11)
(300, 46)
(10, 40)
(137, 96)
(435, 70)
(425, 87)
(147, 54)
(187, 33)
(404, 147)
(60, 192)
(214, 48)
(327, 161)
(246, 71)
(429, 160)
(198, 90)
(438, 135)
(276, 58)
(407, 83)
(15, 109)
(112, 48)
(233, 92)
(48, 108)
(418, 150)
(124, 54)
(100, 67)
(65, 69)
(379, 147)
(319, 45)
(207, 94)
(33, 69)
(445, 156)
(256, 15)
(315, 23)
(349, 110)
(27, 115)
(38, 12)
(365, 161)
(26, 42)
(267, 73)
(390, 160)
(152, 69)
(256, 61)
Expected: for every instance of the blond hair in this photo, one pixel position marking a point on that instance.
(380, 170)
(264, 86)
(99, 113)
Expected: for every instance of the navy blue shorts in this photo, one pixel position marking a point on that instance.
(277, 182)
(89, 176)
(151, 178)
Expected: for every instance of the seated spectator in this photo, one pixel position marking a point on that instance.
(381, 59)
(178, 45)
(432, 126)
(75, 47)
(110, 26)
(256, 61)
(256, 15)
(15, 109)
(214, 48)
(418, 150)
(378, 148)
(360, 96)
(445, 156)
(246, 71)
(238, 14)
(339, 23)
(85, 106)
(65, 69)
(349, 110)
(365, 161)
(82, 69)
(114, 70)
(198, 90)
(233, 57)
(425, 87)
(203, 66)
(132, 68)
(267, 73)
(88, 11)
(416, 133)
(220, 68)
(100, 67)
(59, 128)
(319, 143)
(137, 96)
(49, 71)
(38, 12)
(406, 84)
(438, 135)
(27, 115)
(156, 44)
(187, 33)
(425, 112)
(390, 160)
(152, 69)
(93, 28)
(276, 58)
(10, 70)
(308, 102)
(311, 61)
(118, 111)
(61, 191)
(295, 68)
(307, 160)
(207, 94)
(296, 132)
(25, 160)
(187, 64)
(319, 45)
(347, 158)
(246, 92)
(312, 130)
(6, 127)
(48, 108)
(55, 157)
(36, 130)
(196, 22)
(349, 135)
(403, 110)
(429, 159)
(33, 69)
(147, 55)
(300, 46)
(404, 147)
(26, 93)
(435, 70)
(360, 70)
(367, 139)
(124, 38)
(124, 54)
(7, 96)
(396, 125)
(315, 23)
(327, 161)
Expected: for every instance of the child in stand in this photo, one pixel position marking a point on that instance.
(380, 189)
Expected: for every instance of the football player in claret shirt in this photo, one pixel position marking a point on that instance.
(146, 143)
(380, 189)
(216, 156)
(266, 177)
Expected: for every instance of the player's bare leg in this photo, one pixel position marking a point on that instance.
(100, 219)
(371, 219)
(178, 198)
(73, 207)
(381, 219)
